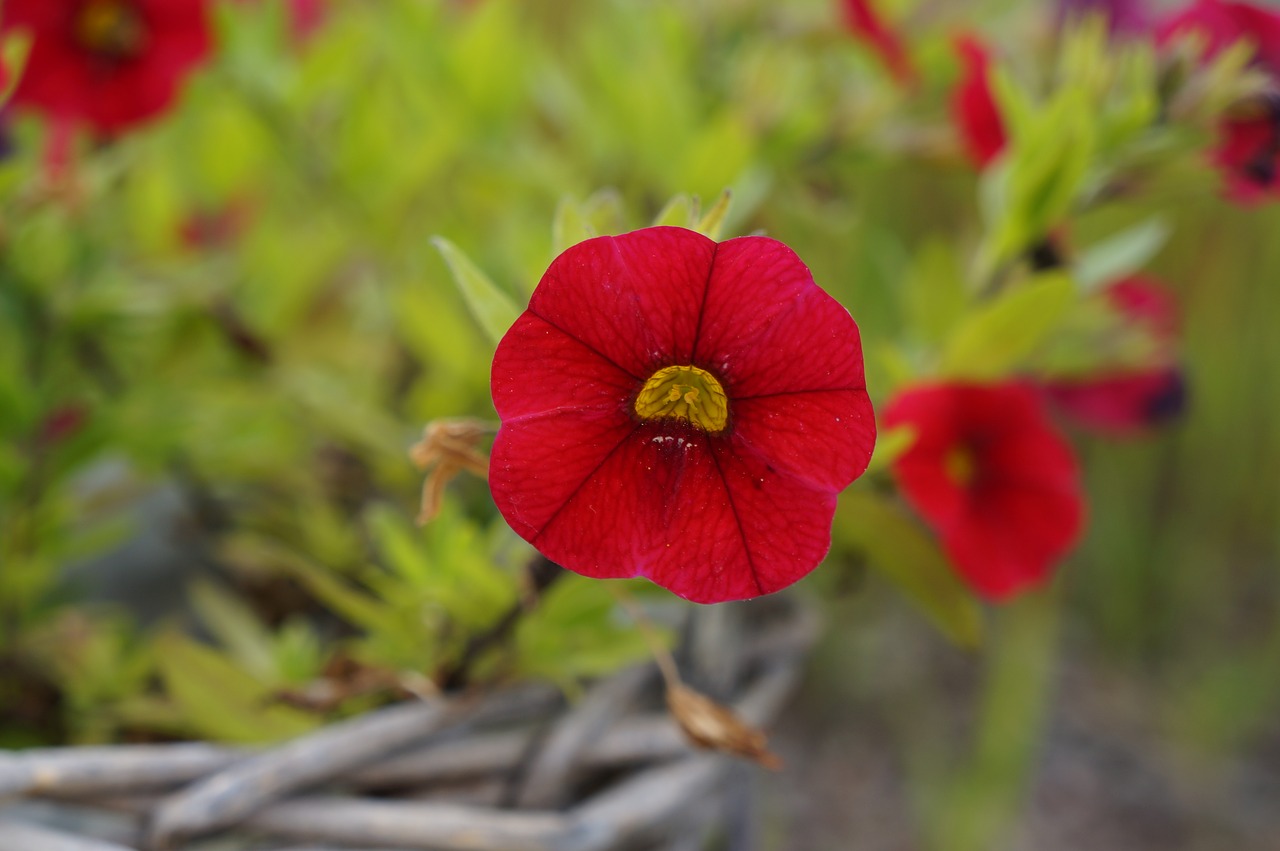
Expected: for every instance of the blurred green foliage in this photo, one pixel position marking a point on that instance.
(259, 300)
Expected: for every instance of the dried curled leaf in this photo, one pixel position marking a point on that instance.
(447, 448)
(709, 725)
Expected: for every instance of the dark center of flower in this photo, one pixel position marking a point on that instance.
(684, 393)
(961, 466)
(112, 29)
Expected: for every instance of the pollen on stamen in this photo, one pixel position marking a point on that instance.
(686, 393)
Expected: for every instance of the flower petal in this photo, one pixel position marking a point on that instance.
(540, 463)
(1007, 521)
(822, 437)
(768, 328)
(635, 298)
(707, 518)
(1009, 539)
(538, 369)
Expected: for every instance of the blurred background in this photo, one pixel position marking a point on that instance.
(222, 329)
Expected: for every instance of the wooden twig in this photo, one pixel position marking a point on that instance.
(231, 794)
(91, 770)
(415, 824)
(20, 836)
(243, 789)
(548, 784)
(644, 807)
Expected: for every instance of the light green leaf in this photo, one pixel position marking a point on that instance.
(890, 445)
(681, 211)
(569, 227)
(712, 223)
(491, 307)
(219, 699)
(13, 58)
(934, 292)
(236, 627)
(996, 338)
(1123, 254)
(903, 553)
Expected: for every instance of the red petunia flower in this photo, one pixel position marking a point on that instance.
(973, 107)
(865, 24)
(1129, 402)
(110, 64)
(1249, 148)
(993, 479)
(681, 410)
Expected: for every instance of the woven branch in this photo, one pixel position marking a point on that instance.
(446, 763)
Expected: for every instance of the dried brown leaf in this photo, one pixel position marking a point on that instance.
(709, 725)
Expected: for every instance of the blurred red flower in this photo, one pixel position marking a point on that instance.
(973, 107)
(1249, 149)
(682, 410)
(1128, 402)
(109, 64)
(993, 479)
(1124, 17)
(306, 17)
(865, 24)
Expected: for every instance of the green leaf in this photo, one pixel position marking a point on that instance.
(934, 292)
(14, 49)
(1041, 174)
(234, 625)
(574, 633)
(900, 550)
(681, 211)
(712, 223)
(491, 307)
(219, 700)
(995, 339)
(889, 447)
(1123, 254)
(569, 227)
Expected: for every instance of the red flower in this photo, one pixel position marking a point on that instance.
(1128, 402)
(682, 410)
(1249, 149)
(109, 64)
(306, 17)
(865, 24)
(994, 480)
(973, 107)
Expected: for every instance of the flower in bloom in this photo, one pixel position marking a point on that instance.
(682, 410)
(865, 24)
(109, 64)
(1248, 151)
(1129, 401)
(973, 107)
(992, 478)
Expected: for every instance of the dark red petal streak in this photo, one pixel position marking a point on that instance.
(767, 328)
(634, 299)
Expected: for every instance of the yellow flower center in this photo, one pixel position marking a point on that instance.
(684, 393)
(110, 28)
(961, 466)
